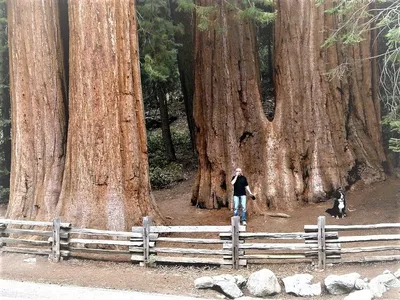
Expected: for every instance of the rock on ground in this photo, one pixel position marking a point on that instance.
(343, 284)
(360, 295)
(377, 288)
(204, 282)
(300, 285)
(388, 279)
(229, 288)
(360, 284)
(263, 283)
(226, 283)
(240, 280)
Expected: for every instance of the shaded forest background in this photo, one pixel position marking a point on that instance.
(169, 60)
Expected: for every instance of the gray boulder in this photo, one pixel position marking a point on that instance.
(377, 288)
(229, 288)
(263, 283)
(240, 280)
(360, 295)
(343, 284)
(227, 284)
(205, 282)
(361, 284)
(397, 273)
(300, 285)
(388, 279)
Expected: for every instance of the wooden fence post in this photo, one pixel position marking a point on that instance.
(235, 241)
(3, 227)
(55, 248)
(321, 243)
(146, 240)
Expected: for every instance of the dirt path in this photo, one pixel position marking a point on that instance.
(373, 204)
(378, 203)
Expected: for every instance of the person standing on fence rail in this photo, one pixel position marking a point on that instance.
(240, 185)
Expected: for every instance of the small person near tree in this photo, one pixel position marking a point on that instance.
(240, 185)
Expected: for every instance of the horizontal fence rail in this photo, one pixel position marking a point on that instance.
(347, 254)
(224, 245)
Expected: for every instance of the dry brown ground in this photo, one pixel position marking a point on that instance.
(378, 203)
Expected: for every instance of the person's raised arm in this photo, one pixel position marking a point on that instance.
(248, 189)
(234, 178)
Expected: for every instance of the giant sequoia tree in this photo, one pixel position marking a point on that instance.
(325, 133)
(38, 108)
(106, 183)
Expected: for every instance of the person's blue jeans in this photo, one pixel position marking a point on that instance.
(242, 200)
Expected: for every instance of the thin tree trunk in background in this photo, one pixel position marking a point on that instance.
(186, 63)
(106, 179)
(5, 115)
(325, 133)
(37, 108)
(5, 103)
(165, 129)
(270, 41)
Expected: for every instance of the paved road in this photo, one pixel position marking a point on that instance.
(10, 289)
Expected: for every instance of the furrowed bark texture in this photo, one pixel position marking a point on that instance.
(38, 112)
(325, 133)
(106, 182)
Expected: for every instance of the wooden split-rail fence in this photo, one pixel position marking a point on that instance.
(229, 245)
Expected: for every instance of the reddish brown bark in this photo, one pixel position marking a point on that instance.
(106, 180)
(38, 113)
(325, 133)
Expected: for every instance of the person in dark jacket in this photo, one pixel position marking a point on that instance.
(240, 185)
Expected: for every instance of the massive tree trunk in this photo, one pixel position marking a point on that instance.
(106, 179)
(325, 133)
(185, 62)
(38, 113)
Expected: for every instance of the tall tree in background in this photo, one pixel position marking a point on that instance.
(158, 57)
(5, 125)
(184, 40)
(38, 113)
(325, 133)
(106, 178)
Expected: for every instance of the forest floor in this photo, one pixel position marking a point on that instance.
(377, 203)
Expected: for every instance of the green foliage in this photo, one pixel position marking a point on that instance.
(256, 14)
(158, 49)
(4, 98)
(254, 10)
(393, 124)
(4, 194)
(356, 19)
(162, 172)
(166, 176)
(186, 5)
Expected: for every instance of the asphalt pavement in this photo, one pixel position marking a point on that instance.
(11, 289)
